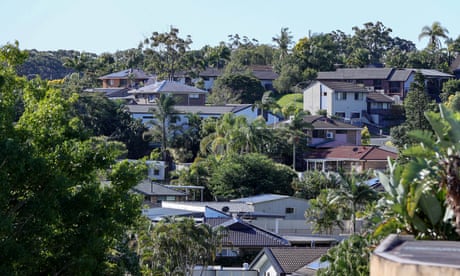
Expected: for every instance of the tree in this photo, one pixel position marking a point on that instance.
(164, 118)
(416, 103)
(58, 216)
(324, 214)
(246, 87)
(175, 246)
(434, 33)
(350, 257)
(353, 193)
(283, 41)
(312, 183)
(373, 40)
(365, 136)
(166, 52)
(450, 87)
(249, 174)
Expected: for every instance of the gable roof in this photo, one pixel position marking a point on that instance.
(287, 260)
(356, 74)
(341, 86)
(323, 122)
(147, 187)
(358, 153)
(167, 86)
(401, 75)
(124, 74)
(245, 235)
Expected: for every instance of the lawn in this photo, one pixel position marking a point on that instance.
(287, 99)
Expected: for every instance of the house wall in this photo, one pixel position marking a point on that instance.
(110, 83)
(252, 115)
(312, 99)
(348, 106)
(279, 207)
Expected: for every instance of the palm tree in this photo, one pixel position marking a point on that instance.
(353, 193)
(434, 33)
(283, 40)
(164, 119)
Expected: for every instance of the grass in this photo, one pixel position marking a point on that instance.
(287, 99)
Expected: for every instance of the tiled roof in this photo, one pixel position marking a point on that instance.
(195, 109)
(356, 74)
(291, 259)
(245, 235)
(150, 188)
(168, 87)
(138, 74)
(364, 153)
(341, 86)
(323, 122)
(379, 97)
(260, 198)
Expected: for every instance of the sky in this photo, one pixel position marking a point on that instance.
(99, 26)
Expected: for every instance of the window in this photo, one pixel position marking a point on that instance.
(340, 114)
(341, 96)
(289, 210)
(340, 131)
(319, 133)
(355, 115)
(324, 94)
(377, 84)
(194, 96)
(156, 171)
(358, 96)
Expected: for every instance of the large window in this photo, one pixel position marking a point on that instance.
(358, 96)
(341, 96)
(194, 96)
(340, 114)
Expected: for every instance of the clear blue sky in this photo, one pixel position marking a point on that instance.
(109, 25)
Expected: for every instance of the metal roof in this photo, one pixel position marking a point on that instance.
(168, 87)
(260, 198)
(124, 74)
(341, 86)
(379, 97)
(356, 74)
(198, 109)
(148, 187)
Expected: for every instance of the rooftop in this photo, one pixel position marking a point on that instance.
(124, 74)
(168, 87)
(365, 153)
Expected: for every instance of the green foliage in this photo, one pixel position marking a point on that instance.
(175, 246)
(249, 174)
(246, 87)
(58, 216)
(449, 88)
(365, 136)
(312, 183)
(350, 257)
(294, 99)
(324, 214)
(166, 53)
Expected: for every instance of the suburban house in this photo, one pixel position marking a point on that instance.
(155, 193)
(124, 79)
(390, 81)
(277, 213)
(280, 261)
(381, 114)
(327, 132)
(264, 73)
(242, 238)
(185, 94)
(347, 158)
(144, 112)
(339, 99)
